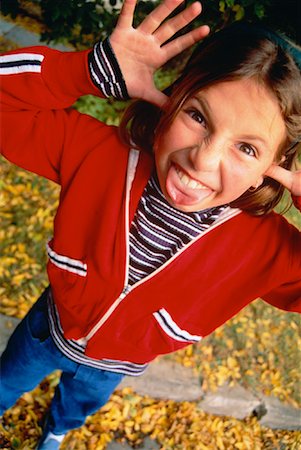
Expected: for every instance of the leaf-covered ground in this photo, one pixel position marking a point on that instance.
(128, 417)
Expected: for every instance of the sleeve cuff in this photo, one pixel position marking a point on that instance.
(105, 71)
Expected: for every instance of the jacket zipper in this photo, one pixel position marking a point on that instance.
(127, 288)
(132, 164)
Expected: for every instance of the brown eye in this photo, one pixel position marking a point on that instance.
(196, 115)
(247, 149)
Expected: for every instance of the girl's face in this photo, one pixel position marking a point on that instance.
(220, 144)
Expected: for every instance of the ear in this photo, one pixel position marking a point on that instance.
(258, 182)
(271, 168)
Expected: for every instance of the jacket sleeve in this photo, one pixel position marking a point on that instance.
(287, 294)
(38, 87)
(297, 202)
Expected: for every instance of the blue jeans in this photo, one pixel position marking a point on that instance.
(31, 354)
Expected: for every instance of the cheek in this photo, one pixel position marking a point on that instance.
(163, 148)
(240, 178)
(159, 152)
(175, 136)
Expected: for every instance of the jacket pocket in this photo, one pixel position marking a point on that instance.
(69, 264)
(172, 329)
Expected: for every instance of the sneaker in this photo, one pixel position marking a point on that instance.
(50, 441)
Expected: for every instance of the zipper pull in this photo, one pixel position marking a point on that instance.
(125, 291)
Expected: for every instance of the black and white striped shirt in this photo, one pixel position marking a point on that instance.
(105, 72)
(159, 231)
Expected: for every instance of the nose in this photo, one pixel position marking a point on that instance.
(207, 155)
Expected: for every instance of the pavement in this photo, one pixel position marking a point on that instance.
(165, 379)
(24, 38)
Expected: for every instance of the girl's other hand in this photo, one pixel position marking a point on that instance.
(141, 51)
(291, 180)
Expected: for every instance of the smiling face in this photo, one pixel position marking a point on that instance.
(220, 144)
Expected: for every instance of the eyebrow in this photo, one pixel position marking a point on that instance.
(208, 112)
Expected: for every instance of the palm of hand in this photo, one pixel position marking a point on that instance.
(138, 63)
(141, 51)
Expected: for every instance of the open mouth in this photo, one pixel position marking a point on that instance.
(183, 190)
(187, 181)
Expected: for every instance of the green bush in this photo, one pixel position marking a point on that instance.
(82, 22)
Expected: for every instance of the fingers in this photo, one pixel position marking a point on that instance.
(185, 41)
(140, 51)
(158, 15)
(126, 15)
(172, 26)
(283, 176)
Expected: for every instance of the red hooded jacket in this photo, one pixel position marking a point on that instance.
(238, 259)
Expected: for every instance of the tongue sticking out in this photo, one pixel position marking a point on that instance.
(184, 191)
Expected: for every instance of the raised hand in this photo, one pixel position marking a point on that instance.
(291, 180)
(141, 51)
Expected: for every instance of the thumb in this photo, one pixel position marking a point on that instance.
(157, 98)
(290, 180)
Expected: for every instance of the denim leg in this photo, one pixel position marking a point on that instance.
(79, 394)
(30, 355)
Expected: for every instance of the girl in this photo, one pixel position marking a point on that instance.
(162, 237)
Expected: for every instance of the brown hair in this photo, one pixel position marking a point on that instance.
(236, 52)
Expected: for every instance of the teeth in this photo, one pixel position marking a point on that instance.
(184, 178)
(189, 182)
(193, 184)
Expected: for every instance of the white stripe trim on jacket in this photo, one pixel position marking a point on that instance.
(66, 263)
(20, 63)
(170, 327)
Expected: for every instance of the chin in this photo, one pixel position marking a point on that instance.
(188, 208)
